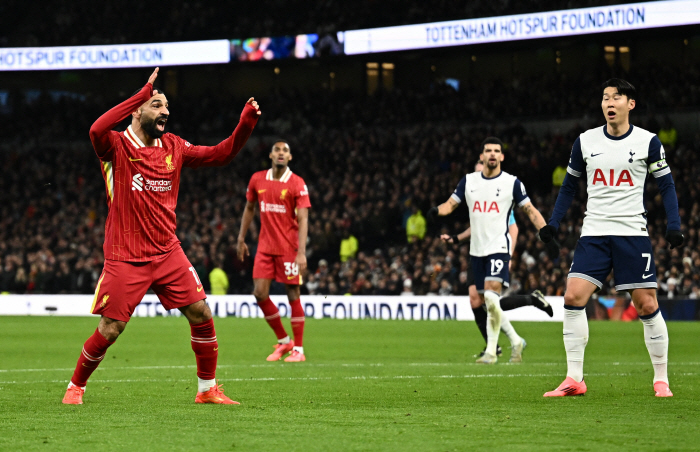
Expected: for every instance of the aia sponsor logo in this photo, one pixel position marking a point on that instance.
(485, 207)
(624, 177)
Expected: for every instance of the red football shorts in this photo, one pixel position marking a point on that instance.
(122, 285)
(282, 269)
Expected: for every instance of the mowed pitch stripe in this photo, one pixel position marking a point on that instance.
(356, 378)
(281, 365)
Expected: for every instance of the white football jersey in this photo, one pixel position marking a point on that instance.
(616, 169)
(490, 202)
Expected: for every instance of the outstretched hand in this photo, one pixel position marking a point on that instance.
(253, 103)
(153, 76)
(675, 239)
(547, 233)
(449, 238)
(242, 251)
(432, 215)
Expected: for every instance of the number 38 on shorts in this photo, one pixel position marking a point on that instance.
(282, 269)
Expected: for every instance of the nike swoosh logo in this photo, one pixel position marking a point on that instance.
(262, 191)
(199, 289)
(647, 276)
(134, 160)
(657, 337)
(291, 277)
(596, 155)
(216, 348)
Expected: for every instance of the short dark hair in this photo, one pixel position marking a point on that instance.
(491, 140)
(281, 140)
(623, 87)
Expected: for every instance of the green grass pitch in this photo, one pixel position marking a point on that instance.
(367, 385)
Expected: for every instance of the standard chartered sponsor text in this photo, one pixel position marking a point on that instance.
(273, 208)
(158, 185)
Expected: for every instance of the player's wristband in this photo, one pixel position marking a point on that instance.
(455, 239)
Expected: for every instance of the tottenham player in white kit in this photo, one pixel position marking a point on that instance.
(615, 160)
(490, 195)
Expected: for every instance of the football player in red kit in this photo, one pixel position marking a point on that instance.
(141, 168)
(283, 200)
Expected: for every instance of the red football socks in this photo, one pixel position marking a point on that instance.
(206, 349)
(298, 322)
(94, 350)
(272, 315)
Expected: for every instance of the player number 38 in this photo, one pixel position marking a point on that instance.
(291, 269)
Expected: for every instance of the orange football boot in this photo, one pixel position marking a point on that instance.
(662, 389)
(280, 351)
(214, 395)
(74, 395)
(295, 357)
(569, 387)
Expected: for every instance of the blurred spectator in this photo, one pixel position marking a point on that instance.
(668, 135)
(218, 279)
(407, 284)
(348, 246)
(415, 225)
(558, 176)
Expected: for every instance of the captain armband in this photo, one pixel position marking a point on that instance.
(660, 168)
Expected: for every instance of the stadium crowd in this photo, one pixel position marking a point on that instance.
(370, 176)
(113, 22)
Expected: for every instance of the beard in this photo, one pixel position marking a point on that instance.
(149, 126)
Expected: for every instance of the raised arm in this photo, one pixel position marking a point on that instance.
(224, 152)
(100, 131)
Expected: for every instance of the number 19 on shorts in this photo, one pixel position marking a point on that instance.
(496, 266)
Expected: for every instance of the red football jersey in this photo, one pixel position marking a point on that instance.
(278, 201)
(143, 182)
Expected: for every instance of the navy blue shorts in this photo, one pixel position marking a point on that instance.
(631, 257)
(493, 267)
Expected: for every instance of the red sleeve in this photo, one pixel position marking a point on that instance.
(101, 133)
(302, 194)
(224, 152)
(251, 195)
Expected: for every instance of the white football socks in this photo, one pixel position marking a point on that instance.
(575, 340)
(284, 340)
(493, 320)
(205, 385)
(298, 349)
(656, 338)
(509, 331)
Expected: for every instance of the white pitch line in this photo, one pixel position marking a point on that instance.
(356, 378)
(281, 365)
